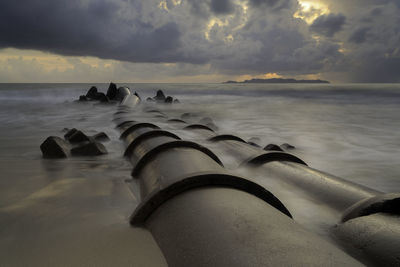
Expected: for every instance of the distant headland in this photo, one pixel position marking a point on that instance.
(279, 80)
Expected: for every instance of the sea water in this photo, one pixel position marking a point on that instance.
(349, 130)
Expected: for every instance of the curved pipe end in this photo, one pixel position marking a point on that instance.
(156, 199)
(225, 137)
(386, 203)
(273, 156)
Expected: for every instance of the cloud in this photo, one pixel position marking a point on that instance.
(359, 36)
(207, 37)
(329, 24)
(222, 6)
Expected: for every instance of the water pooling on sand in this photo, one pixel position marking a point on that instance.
(348, 130)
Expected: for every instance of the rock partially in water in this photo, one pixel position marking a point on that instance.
(169, 100)
(83, 98)
(176, 101)
(69, 133)
(54, 147)
(160, 97)
(287, 146)
(89, 149)
(112, 91)
(149, 99)
(78, 137)
(92, 92)
(101, 137)
(272, 147)
(102, 98)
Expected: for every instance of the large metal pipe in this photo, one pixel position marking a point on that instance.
(201, 215)
(362, 208)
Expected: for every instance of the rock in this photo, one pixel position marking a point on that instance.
(169, 100)
(65, 130)
(92, 92)
(112, 91)
(102, 98)
(160, 97)
(89, 149)
(83, 98)
(54, 147)
(287, 146)
(176, 101)
(69, 133)
(102, 136)
(149, 99)
(273, 147)
(78, 137)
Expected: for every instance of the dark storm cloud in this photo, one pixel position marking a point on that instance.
(359, 36)
(328, 25)
(222, 6)
(91, 28)
(215, 36)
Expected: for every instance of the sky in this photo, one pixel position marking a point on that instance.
(199, 40)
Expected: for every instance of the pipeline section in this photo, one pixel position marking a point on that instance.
(357, 210)
(202, 215)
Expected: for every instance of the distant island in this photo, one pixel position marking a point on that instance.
(279, 80)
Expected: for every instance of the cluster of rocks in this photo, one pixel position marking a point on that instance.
(113, 95)
(161, 98)
(75, 143)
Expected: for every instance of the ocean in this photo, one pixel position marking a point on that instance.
(348, 130)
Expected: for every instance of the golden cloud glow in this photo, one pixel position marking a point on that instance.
(212, 23)
(48, 61)
(310, 10)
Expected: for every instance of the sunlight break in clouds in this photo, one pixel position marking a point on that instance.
(337, 40)
(309, 11)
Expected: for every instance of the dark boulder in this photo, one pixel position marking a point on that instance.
(101, 137)
(169, 100)
(78, 137)
(89, 149)
(160, 97)
(69, 133)
(102, 98)
(273, 147)
(92, 92)
(176, 101)
(83, 98)
(287, 146)
(54, 147)
(112, 91)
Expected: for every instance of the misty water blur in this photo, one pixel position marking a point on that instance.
(350, 131)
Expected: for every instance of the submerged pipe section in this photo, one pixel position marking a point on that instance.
(370, 224)
(200, 214)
